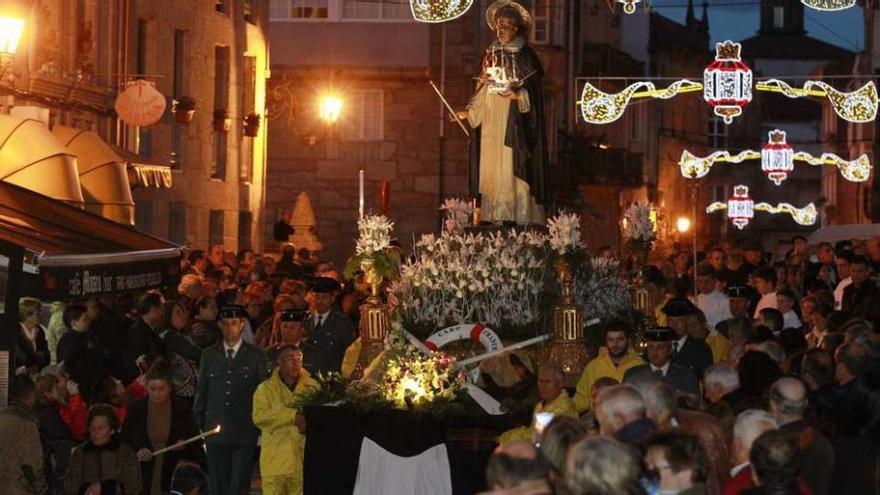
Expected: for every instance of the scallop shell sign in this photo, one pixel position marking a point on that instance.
(140, 104)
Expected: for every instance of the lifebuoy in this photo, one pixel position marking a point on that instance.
(475, 332)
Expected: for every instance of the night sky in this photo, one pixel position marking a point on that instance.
(730, 21)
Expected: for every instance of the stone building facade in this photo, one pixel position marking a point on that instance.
(392, 125)
(77, 55)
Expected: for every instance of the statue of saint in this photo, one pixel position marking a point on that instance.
(508, 153)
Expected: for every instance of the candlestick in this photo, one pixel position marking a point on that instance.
(361, 195)
(181, 443)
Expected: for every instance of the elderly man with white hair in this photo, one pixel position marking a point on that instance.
(749, 425)
(621, 413)
(721, 389)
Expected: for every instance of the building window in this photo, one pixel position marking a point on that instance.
(375, 9)
(179, 63)
(249, 11)
(340, 10)
(221, 77)
(541, 15)
(779, 17)
(245, 227)
(717, 132)
(141, 55)
(219, 162)
(143, 216)
(299, 9)
(365, 116)
(177, 222)
(215, 227)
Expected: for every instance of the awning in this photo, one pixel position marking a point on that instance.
(834, 233)
(31, 157)
(144, 172)
(79, 253)
(102, 174)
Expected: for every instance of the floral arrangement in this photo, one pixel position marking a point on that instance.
(413, 379)
(637, 224)
(374, 248)
(601, 292)
(496, 279)
(565, 233)
(458, 214)
(638, 232)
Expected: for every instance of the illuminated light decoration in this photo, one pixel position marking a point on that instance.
(598, 107)
(741, 209)
(434, 11)
(777, 157)
(829, 5)
(859, 106)
(727, 82)
(777, 161)
(694, 167)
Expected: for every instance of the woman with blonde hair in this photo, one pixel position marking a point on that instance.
(31, 348)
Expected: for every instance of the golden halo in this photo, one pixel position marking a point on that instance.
(523, 13)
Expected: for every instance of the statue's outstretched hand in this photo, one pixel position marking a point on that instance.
(461, 114)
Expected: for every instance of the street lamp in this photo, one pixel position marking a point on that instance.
(10, 35)
(330, 109)
(682, 224)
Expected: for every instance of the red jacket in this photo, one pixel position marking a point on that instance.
(743, 481)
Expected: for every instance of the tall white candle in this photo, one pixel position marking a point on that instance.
(361, 195)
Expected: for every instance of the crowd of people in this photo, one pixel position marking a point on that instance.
(105, 391)
(760, 377)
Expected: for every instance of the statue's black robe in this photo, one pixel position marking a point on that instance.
(525, 134)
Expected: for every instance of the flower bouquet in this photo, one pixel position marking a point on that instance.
(638, 231)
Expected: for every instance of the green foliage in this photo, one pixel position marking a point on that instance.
(386, 264)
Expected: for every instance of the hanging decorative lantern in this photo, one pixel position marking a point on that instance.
(727, 82)
(777, 157)
(740, 207)
(629, 6)
(140, 104)
(434, 11)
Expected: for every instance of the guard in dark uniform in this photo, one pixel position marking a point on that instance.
(687, 351)
(330, 332)
(229, 373)
(292, 331)
(659, 358)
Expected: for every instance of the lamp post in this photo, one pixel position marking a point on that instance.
(10, 35)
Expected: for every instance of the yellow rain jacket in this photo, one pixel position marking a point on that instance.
(282, 443)
(560, 406)
(350, 360)
(599, 367)
(719, 344)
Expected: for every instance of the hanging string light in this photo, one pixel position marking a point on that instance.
(727, 87)
(741, 209)
(777, 161)
(829, 5)
(434, 11)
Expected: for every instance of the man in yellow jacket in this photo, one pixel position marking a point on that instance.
(281, 458)
(553, 399)
(613, 361)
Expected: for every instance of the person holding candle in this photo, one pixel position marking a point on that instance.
(160, 420)
(508, 146)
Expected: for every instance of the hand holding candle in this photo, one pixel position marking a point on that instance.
(181, 443)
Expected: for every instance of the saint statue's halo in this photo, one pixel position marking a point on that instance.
(524, 15)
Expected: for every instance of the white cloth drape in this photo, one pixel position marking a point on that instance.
(380, 472)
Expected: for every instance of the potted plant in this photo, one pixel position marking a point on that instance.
(221, 120)
(184, 108)
(251, 124)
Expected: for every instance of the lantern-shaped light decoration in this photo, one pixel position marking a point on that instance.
(740, 207)
(727, 82)
(140, 104)
(777, 157)
(433, 11)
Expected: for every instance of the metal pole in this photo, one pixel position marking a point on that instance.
(695, 193)
(441, 139)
